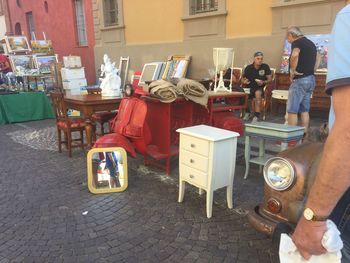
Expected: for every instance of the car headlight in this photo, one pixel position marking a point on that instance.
(279, 173)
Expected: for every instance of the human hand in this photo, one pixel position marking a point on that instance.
(245, 81)
(293, 73)
(307, 237)
(259, 82)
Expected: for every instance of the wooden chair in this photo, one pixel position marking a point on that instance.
(266, 101)
(66, 124)
(101, 117)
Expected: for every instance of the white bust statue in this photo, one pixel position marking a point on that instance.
(110, 83)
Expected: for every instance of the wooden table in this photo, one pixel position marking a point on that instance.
(88, 105)
(268, 131)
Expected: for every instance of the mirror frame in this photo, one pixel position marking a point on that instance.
(91, 186)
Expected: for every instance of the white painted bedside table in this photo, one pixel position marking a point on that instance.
(207, 160)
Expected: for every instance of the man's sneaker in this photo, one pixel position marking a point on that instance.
(246, 116)
(255, 119)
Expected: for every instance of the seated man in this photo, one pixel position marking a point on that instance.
(255, 77)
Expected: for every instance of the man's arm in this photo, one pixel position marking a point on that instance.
(294, 58)
(318, 61)
(332, 179)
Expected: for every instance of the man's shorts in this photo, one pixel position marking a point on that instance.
(299, 94)
(253, 90)
(341, 217)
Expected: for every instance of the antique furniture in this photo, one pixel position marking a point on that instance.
(268, 131)
(101, 117)
(88, 105)
(288, 179)
(66, 124)
(165, 118)
(107, 170)
(319, 101)
(25, 106)
(207, 161)
(223, 59)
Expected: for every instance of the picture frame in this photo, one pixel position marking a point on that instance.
(107, 170)
(43, 63)
(176, 66)
(17, 44)
(24, 61)
(42, 47)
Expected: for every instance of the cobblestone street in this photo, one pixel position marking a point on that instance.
(44, 196)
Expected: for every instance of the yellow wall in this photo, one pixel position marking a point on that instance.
(248, 18)
(155, 21)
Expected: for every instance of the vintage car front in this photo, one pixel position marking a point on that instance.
(288, 178)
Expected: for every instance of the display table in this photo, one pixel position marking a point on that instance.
(268, 131)
(26, 106)
(207, 160)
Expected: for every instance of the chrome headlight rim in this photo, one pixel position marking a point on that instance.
(291, 169)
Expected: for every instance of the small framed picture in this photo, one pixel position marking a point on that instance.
(17, 44)
(43, 47)
(43, 63)
(20, 63)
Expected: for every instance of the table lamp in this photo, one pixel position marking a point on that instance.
(223, 59)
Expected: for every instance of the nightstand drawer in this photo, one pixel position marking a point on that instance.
(195, 145)
(193, 176)
(194, 160)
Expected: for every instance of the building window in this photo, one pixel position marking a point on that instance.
(18, 29)
(46, 7)
(30, 24)
(203, 6)
(110, 10)
(80, 23)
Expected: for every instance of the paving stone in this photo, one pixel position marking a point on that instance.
(44, 193)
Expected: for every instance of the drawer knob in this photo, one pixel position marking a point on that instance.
(191, 176)
(191, 161)
(193, 145)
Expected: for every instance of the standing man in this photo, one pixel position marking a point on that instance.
(330, 194)
(302, 63)
(256, 76)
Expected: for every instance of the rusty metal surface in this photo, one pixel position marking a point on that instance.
(304, 159)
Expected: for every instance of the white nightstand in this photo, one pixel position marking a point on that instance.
(207, 160)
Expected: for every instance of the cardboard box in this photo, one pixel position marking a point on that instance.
(72, 73)
(74, 84)
(72, 61)
(69, 92)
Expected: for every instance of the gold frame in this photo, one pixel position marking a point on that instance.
(91, 185)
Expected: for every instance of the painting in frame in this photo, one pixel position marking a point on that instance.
(23, 61)
(17, 44)
(43, 47)
(43, 63)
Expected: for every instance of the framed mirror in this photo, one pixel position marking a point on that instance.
(107, 170)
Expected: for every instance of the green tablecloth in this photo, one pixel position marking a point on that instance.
(26, 106)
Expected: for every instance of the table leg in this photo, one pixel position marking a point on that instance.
(88, 130)
(261, 152)
(247, 155)
(209, 203)
(181, 191)
(229, 196)
(286, 115)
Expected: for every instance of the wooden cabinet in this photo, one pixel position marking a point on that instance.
(319, 101)
(207, 161)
